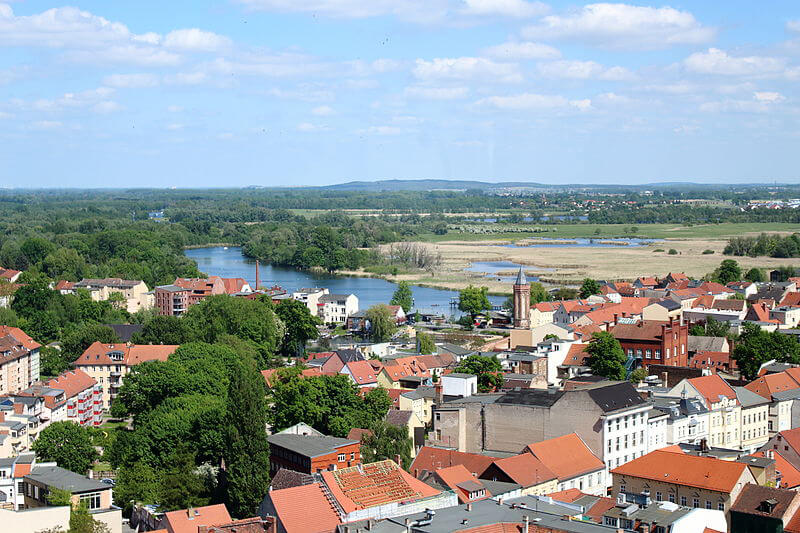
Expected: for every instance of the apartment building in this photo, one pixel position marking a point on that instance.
(654, 342)
(687, 420)
(725, 411)
(135, 292)
(107, 364)
(335, 308)
(19, 360)
(171, 300)
(311, 454)
(782, 389)
(610, 417)
(310, 297)
(754, 423)
(679, 478)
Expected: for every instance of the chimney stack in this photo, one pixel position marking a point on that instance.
(258, 281)
(526, 524)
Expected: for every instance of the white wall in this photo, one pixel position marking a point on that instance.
(459, 386)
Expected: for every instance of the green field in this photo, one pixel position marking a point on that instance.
(649, 231)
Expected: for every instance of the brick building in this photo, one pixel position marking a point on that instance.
(311, 454)
(655, 342)
(171, 300)
(19, 360)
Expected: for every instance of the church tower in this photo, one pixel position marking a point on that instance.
(522, 302)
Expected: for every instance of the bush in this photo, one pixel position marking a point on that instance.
(708, 252)
(673, 251)
(658, 250)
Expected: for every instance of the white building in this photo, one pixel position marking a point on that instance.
(657, 424)
(335, 308)
(462, 385)
(625, 435)
(310, 297)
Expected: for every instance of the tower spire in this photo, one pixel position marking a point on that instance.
(521, 279)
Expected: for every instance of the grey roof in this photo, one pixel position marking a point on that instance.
(319, 361)
(125, 331)
(661, 513)
(171, 288)
(786, 394)
(678, 408)
(6, 462)
(397, 417)
(420, 392)
(459, 375)
(749, 398)
(13, 424)
(525, 357)
(476, 398)
(454, 348)
(348, 356)
(308, 445)
(334, 297)
(285, 478)
(669, 304)
(761, 462)
(534, 397)
(615, 397)
(521, 279)
(61, 478)
(699, 343)
(544, 512)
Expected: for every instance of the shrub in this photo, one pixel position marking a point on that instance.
(708, 252)
(673, 251)
(658, 250)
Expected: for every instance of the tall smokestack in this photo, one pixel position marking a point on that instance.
(257, 278)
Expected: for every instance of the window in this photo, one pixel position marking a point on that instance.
(352, 455)
(342, 457)
(610, 521)
(658, 496)
(92, 500)
(625, 523)
(708, 504)
(658, 354)
(667, 353)
(695, 502)
(438, 416)
(683, 501)
(648, 354)
(721, 506)
(671, 497)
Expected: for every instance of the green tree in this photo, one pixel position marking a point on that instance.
(727, 272)
(425, 344)
(638, 375)
(589, 287)
(79, 339)
(246, 478)
(607, 358)
(164, 330)
(301, 326)
(53, 361)
(539, 293)
(402, 296)
(386, 442)
(138, 483)
(757, 346)
(68, 444)
(474, 300)
(755, 275)
(36, 249)
(35, 296)
(181, 486)
(488, 370)
(382, 324)
(565, 293)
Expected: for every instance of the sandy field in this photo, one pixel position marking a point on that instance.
(570, 265)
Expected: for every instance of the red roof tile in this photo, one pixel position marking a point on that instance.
(683, 469)
(712, 387)
(769, 384)
(455, 477)
(577, 355)
(72, 382)
(567, 456)
(188, 520)
(432, 459)
(100, 354)
(790, 476)
(20, 336)
(304, 509)
(525, 469)
(363, 372)
(361, 487)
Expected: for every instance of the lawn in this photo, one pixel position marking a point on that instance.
(649, 231)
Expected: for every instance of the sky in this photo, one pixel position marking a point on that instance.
(226, 93)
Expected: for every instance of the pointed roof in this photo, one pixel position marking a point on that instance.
(521, 279)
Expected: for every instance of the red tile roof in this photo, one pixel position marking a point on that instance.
(713, 361)
(682, 469)
(790, 476)
(577, 355)
(363, 372)
(456, 477)
(99, 353)
(22, 469)
(595, 511)
(404, 367)
(358, 434)
(64, 285)
(72, 382)
(504, 527)
(361, 487)
(233, 285)
(712, 387)
(8, 274)
(792, 298)
(769, 384)
(304, 509)
(567, 457)
(525, 469)
(20, 336)
(649, 330)
(188, 520)
(759, 312)
(432, 459)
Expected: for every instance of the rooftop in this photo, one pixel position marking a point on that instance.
(308, 445)
(61, 478)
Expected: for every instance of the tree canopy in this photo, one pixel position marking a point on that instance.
(403, 297)
(728, 271)
(382, 324)
(474, 300)
(589, 288)
(300, 326)
(757, 346)
(607, 358)
(68, 444)
(488, 369)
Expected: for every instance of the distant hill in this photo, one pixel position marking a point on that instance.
(434, 184)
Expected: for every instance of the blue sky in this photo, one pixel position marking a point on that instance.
(308, 92)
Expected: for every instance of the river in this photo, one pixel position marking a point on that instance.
(228, 262)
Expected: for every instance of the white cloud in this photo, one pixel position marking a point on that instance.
(584, 70)
(532, 101)
(382, 130)
(68, 101)
(46, 125)
(196, 40)
(505, 8)
(59, 28)
(623, 26)
(145, 56)
(174, 127)
(686, 129)
(413, 10)
(793, 25)
(437, 93)
(4, 115)
(186, 78)
(762, 102)
(106, 107)
(303, 93)
(308, 127)
(323, 111)
(768, 97)
(466, 68)
(174, 109)
(131, 81)
(279, 65)
(227, 136)
(522, 50)
(716, 61)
